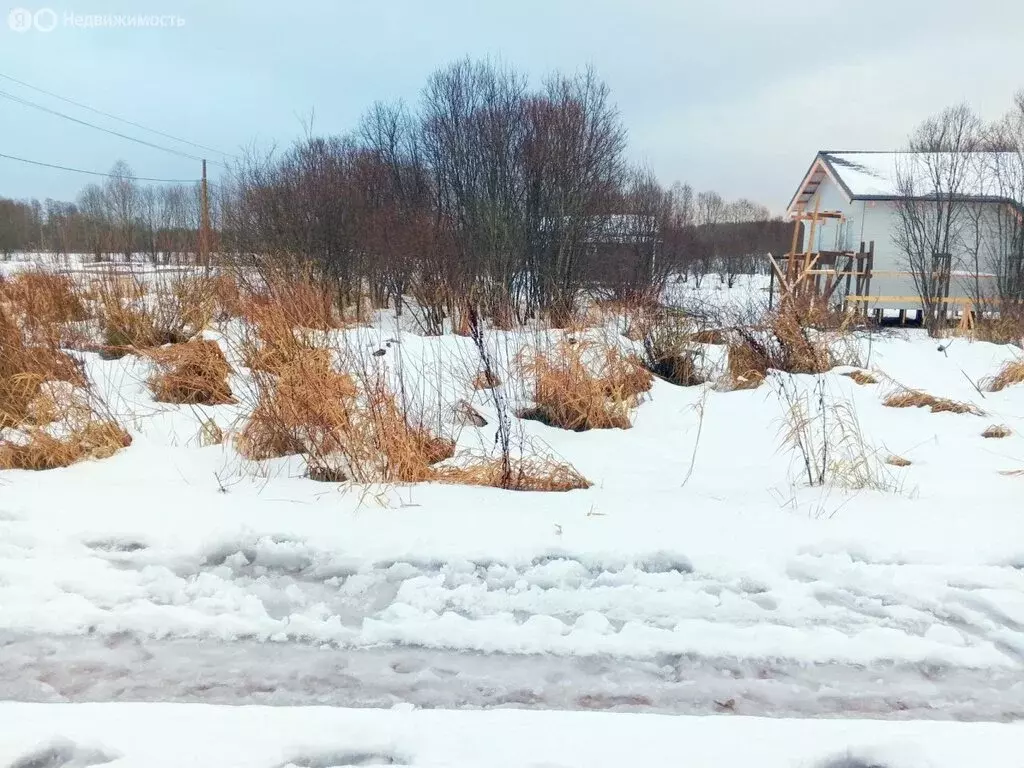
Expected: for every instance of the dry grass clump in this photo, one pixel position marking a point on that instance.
(669, 351)
(785, 344)
(40, 449)
(798, 351)
(898, 461)
(297, 302)
(916, 398)
(827, 441)
(577, 387)
(997, 431)
(1010, 374)
(747, 364)
(194, 373)
(44, 299)
(1006, 328)
(709, 336)
(305, 409)
(227, 297)
(48, 417)
(133, 318)
(281, 318)
(528, 474)
(355, 432)
(404, 451)
(486, 380)
(24, 368)
(861, 377)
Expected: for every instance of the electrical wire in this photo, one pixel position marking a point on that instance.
(113, 117)
(96, 173)
(27, 103)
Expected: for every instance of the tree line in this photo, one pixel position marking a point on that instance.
(490, 191)
(120, 217)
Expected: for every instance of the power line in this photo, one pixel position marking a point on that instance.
(32, 104)
(113, 117)
(95, 173)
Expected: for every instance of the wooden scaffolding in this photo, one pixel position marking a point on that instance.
(825, 278)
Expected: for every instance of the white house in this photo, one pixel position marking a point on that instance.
(865, 188)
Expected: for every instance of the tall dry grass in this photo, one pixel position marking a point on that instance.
(1011, 373)
(580, 386)
(347, 428)
(904, 397)
(193, 373)
(136, 314)
(824, 434)
(787, 342)
(49, 415)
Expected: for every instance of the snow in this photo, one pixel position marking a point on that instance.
(875, 174)
(697, 570)
(158, 735)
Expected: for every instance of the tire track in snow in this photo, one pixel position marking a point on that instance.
(831, 634)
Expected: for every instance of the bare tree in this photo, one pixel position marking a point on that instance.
(934, 179)
(122, 198)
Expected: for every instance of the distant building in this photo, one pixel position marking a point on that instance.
(865, 188)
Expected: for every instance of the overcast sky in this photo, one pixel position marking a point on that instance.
(732, 95)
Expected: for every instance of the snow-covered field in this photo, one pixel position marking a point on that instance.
(698, 575)
(158, 735)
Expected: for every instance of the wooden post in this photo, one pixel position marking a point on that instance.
(204, 225)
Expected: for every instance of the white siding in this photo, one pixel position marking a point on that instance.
(877, 220)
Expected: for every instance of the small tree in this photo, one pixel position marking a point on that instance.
(933, 184)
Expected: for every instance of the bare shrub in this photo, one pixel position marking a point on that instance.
(579, 387)
(669, 351)
(194, 373)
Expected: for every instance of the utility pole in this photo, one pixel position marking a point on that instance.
(204, 225)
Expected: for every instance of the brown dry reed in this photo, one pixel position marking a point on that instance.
(194, 373)
(45, 400)
(916, 398)
(345, 430)
(25, 367)
(1011, 373)
(861, 377)
(580, 387)
(135, 316)
(44, 301)
(542, 474)
(997, 431)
